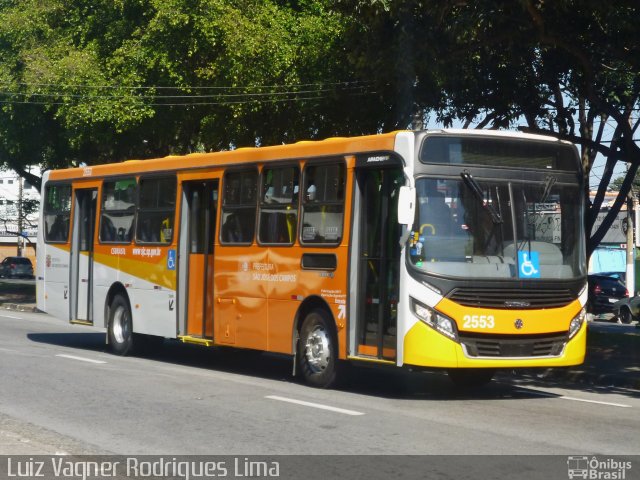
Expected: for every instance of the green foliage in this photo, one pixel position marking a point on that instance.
(104, 80)
(98, 81)
(564, 67)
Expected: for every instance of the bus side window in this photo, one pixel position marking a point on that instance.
(239, 207)
(156, 210)
(279, 205)
(117, 210)
(57, 211)
(323, 203)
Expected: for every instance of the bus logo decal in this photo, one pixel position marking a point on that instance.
(528, 264)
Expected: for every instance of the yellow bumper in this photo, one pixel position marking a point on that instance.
(425, 347)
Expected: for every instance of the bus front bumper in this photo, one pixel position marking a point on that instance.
(425, 347)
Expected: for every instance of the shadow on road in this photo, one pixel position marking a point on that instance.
(85, 341)
(392, 383)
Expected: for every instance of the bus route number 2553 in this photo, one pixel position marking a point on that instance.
(478, 321)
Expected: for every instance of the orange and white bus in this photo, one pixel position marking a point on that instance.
(453, 249)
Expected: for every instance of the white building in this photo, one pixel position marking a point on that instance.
(12, 186)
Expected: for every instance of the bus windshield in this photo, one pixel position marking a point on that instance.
(501, 229)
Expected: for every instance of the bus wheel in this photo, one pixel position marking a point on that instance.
(120, 326)
(317, 350)
(470, 377)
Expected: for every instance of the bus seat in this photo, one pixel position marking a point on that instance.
(232, 229)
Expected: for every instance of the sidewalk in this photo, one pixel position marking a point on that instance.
(18, 437)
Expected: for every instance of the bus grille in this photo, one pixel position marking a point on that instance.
(513, 345)
(517, 299)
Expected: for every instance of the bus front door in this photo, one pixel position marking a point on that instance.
(196, 246)
(84, 220)
(378, 259)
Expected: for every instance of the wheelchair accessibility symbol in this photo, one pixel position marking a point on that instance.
(171, 260)
(528, 265)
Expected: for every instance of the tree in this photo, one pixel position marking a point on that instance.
(635, 186)
(102, 80)
(565, 68)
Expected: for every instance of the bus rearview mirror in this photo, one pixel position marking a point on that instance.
(406, 205)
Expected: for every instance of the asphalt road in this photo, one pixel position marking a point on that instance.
(62, 392)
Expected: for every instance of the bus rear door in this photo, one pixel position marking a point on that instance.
(84, 220)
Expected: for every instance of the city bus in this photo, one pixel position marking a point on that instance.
(456, 250)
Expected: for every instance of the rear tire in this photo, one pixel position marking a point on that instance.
(120, 331)
(317, 353)
(625, 315)
(468, 378)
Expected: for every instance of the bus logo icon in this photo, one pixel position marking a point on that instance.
(171, 260)
(528, 264)
(578, 467)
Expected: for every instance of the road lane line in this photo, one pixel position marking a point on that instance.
(82, 359)
(314, 405)
(11, 316)
(574, 399)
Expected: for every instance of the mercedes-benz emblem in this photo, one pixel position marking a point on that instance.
(518, 324)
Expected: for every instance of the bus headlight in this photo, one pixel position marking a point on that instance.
(577, 322)
(435, 320)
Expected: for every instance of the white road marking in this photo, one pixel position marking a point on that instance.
(314, 405)
(82, 359)
(11, 316)
(574, 399)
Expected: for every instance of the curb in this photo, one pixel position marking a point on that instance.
(17, 307)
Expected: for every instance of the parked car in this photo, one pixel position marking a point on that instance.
(604, 291)
(627, 309)
(622, 276)
(16, 267)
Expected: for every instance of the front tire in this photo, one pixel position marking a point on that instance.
(317, 354)
(120, 329)
(469, 378)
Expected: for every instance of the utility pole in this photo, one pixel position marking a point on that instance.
(20, 222)
(632, 206)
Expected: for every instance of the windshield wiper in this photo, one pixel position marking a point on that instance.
(470, 182)
(549, 182)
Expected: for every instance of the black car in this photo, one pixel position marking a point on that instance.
(16, 267)
(604, 291)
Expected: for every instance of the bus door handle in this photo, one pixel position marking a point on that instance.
(226, 300)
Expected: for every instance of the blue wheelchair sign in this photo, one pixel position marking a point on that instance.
(171, 260)
(528, 264)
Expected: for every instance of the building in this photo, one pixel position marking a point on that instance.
(15, 195)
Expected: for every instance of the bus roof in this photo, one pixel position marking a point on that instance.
(302, 149)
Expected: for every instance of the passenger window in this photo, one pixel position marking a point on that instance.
(57, 212)
(156, 210)
(239, 207)
(323, 204)
(118, 210)
(279, 205)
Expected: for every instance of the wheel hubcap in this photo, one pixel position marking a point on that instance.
(120, 325)
(317, 349)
